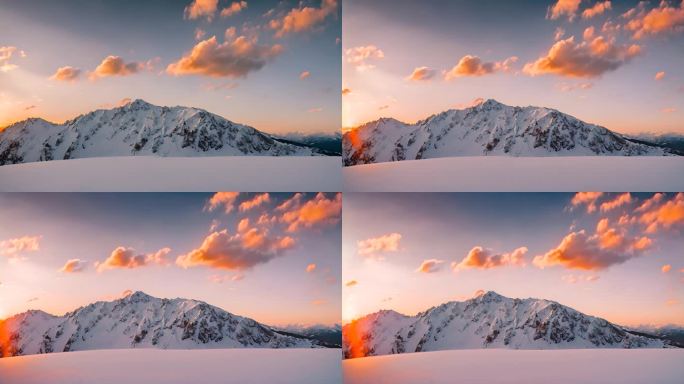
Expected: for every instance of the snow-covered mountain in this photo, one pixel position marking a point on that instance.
(489, 128)
(140, 128)
(486, 321)
(140, 321)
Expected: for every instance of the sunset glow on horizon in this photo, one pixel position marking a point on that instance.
(615, 256)
(247, 253)
(618, 66)
(59, 60)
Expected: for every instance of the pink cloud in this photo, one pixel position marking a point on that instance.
(376, 246)
(585, 59)
(232, 58)
(245, 249)
(474, 66)
(234, 8)
(225, 199)
(17, 246)
(310, 268)
(597, 9)
(482, 258)
(320, 210)
(660, 75)
(201, 9)
(303, 19)
(255, 202)
(360, 56)
(128, 258)
(430, 266)
(73, 265)
(421, 74)
(304, 75)
(563, 7)
(66, 74)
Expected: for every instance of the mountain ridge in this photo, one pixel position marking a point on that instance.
(488, 320)
(143, 129)
(139, 320)
(488, 128)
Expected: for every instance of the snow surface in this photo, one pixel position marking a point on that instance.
(152, 366)
(603, 366)
(180, 174)
(519, 174)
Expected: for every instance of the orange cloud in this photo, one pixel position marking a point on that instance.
(579, 250)
(73, 265)
(421, 74)
(243, 250)
(254, 202)
(374, 246)
(558, 34)
(319, 302)
(15, 247)
(346, 91)
(225, 199)
(316, 211)
(201, 8)
(664, 19)
(482, 258)
(574, 279)
(66, 74)
(304, 75)
(234, 8)
(123, 257)
(563, 7)
(666, 268)
(233, 58)
(668, 110)
(310, 268)
(660, 75)
(596, 10)
(351, 283)
(617, 202)
(430, 266)
(474, 66)
(359, 56)
(303, 19)
(6, 53)
(116, 66)
(588, 33)
(665, 215)
(586, 198)
(586, 59)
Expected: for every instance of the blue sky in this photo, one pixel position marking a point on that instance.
(81, 34)
(599, 271)
(438, 34)
(89, 227)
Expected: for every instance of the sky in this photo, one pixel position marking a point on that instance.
(613, 255)
(274, 65)
(271, 257)
(619, 64)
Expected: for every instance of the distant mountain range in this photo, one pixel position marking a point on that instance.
(142, 321)
(492, 128)
(489, 321)
(142, 129)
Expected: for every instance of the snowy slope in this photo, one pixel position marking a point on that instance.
(487, 366)
(487, 321)
(139, 321)
(156, 366)
(139, 128)
(489, 128)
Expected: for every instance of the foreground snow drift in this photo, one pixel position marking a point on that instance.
(519, 174)
(507, 366)
(157, 174)
(165, 366)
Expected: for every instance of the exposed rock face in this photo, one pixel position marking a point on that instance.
(490, 128)
(139, 321)
(487, 321)
(142, 129)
